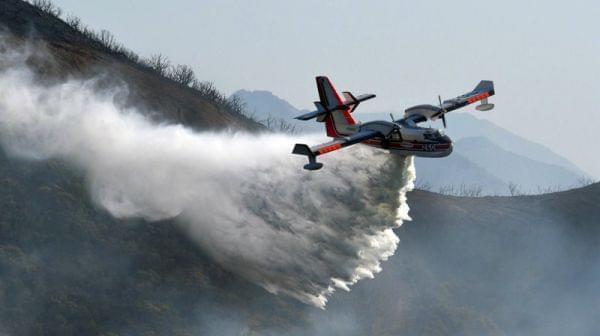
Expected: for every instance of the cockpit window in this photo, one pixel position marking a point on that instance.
(435, 135)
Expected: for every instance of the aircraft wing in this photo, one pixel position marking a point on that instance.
(313, 152)
(420, 113)
(482, 91)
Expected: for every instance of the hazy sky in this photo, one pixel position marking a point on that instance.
(544, 56)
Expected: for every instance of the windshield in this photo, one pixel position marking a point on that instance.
(434, 135)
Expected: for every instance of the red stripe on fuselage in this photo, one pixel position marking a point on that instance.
(329, 148)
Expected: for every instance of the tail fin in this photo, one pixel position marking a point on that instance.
(485, 86)
(338, 122)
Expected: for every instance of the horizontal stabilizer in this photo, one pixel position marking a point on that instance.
(310, 115)
(302, 149)
(351, 103)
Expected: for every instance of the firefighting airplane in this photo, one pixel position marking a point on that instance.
(402, 136)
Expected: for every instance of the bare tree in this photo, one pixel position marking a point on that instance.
(183, 74)
(89, 33)
(269, 121)
(47, 7)
(286, 127)
(277, 125)
(514, 189)
(132, 56)
(463, 190)
(108, 40)
(584, 180)
(206, 89)
(446, 190)
(470, 191)
(421, 185)
(74, 22)
(234, 104)
(158, 63)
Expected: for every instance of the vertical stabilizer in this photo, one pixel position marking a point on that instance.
(338, 122)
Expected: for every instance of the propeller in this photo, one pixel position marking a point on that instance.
(443, 111)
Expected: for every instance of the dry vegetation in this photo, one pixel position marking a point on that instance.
(464, 190)
(157, 63)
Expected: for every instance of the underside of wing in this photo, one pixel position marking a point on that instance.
(339, 143)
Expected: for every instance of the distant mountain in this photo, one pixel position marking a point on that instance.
(531, 176)
(263, 105)
(478, 163)
(455, 174)
(465, 125)
(486, 155)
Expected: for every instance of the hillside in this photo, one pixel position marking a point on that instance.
(75, 55)
(488, 266)
(527, 265)
(524, 265)
(68, 268)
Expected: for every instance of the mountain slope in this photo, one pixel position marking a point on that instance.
(527, 265)
(75, 55)
(67, 268)
(465, 125)
(530, 175)
(264, 104)
(486, 266)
